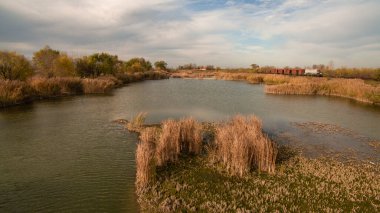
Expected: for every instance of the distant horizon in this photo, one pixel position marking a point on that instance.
(226, 34)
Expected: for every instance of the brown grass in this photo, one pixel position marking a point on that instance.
(52, 87)
(178, 137)
(99, 85)
(160, 148)
(168, 146)
(13, 92)
(355, 89)
(190, 136)
(145, 158)
(241, 146)
(137, 123)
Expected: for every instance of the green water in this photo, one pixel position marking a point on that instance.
(67, 156)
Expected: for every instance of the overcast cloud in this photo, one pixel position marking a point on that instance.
(223, 33)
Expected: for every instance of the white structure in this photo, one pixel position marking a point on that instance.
(312, 72)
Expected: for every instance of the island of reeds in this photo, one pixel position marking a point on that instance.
(187, 166)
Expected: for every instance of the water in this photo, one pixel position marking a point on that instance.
(66, 155)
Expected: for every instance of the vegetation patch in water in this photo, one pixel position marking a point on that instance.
(176, 179)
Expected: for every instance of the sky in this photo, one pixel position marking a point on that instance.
(221, 33)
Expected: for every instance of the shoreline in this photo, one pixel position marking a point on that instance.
(274, 82)
(36, 89)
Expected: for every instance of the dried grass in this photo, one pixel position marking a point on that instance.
(178, 137)
(137, 123)
(168, 146)
(99, 85)
(53, 87)
(145, 158)
(348, 88)
(241, 146)
(13, 92)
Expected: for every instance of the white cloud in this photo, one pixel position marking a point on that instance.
(294, 32)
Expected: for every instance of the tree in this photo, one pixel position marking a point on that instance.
(255, 66)
(63, 66)
(43, 61)
(14, 66)
(84, 68)
(160, 65)
(138, 65)
(103, 64)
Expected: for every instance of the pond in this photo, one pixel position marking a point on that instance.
(67, 155)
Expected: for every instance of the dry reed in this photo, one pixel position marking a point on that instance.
(99, 85)
(178, 137)
(348, 88)
(13, 92)
(52, 87)
(168, 146)
(145, 158)
(241, 146)
(137, 123)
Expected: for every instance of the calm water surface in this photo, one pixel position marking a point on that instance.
(67, 156)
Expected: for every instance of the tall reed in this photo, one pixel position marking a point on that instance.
(241, 146)
(13, 92)
(145, 158)
(137, 123)
(99, 85)
(178, 137)
(355, 89)
(52, 87)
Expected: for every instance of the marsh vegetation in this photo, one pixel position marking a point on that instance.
(221, 167)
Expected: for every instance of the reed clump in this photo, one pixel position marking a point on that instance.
(53, 87)
(160, 147)
(178, 137)
(145, 158)
(137, 123)
(241, 146)
(13, 92)
(99, 85)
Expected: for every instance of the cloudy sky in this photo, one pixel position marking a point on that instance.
(224, 33)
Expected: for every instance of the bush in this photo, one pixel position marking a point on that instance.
(14, 66)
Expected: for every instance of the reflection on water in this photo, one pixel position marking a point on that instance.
(66, 155)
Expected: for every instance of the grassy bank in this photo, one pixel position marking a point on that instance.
(300, 185)
(18, 92)
(185, 166)
(356, 89)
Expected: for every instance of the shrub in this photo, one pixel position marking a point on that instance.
(14, 66)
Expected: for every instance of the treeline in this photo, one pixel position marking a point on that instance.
(192, 66)
(52, 73)
(49, 63)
